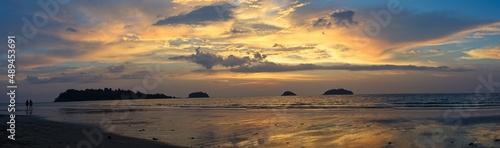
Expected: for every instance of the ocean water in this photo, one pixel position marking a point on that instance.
(288, 121)
(300, 102)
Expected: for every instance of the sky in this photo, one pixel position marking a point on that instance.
(251, 47)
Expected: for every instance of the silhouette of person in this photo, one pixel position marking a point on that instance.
(27, 107)
(31, 105)
(27, 103)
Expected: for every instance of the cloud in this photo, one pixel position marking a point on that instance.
(201, 15)
(198, 1)
(131, 37)
(249, 28)
(490, 30)
(436, 50)
(136, 75)
(63, 74)
(322, 22)
(278, 45)
(479, 35)
(259, 56)
(83, 78)
(413, 26)
(263, 27)
(430, 51)
(209, 60)
(232, 61)
(281, 47)
(290, 7)
(484, 53)
(343, 17)
(71, 29)
(274, 67)
(116, 68)
(206, 60)
(182, 41)
(338, 17)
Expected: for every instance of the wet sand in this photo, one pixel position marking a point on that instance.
(415, 127)
(35, 132)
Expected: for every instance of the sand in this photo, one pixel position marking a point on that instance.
(36, 132)
(415, 127)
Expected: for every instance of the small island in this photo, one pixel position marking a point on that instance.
(340, 91)
(198, 95)
(105, 94)
(288, 93)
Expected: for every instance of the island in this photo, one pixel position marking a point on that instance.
(198, 95)
(288, 93)
(105, 94)
(340, 91)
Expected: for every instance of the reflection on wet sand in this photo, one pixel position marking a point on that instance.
(305, 127)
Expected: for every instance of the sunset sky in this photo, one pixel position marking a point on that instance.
(254, 47)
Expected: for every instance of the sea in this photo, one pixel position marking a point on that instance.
(416, 101)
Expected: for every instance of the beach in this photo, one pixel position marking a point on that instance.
(293, 128)
(333, 121)
(36, 132)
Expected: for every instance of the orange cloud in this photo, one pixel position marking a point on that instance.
(484, 53)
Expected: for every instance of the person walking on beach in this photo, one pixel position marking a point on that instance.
(27, 107)
(31, 105)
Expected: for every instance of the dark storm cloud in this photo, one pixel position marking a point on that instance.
(116, 68)
(201, 15)
(274, 67)
(209, 60)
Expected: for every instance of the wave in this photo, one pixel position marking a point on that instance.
(311, 106)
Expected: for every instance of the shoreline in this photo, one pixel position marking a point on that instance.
(34, 131)
(158, 123)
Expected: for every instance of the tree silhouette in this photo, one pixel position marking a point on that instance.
(105, 94)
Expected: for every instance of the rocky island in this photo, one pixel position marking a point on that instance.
(340, 91)
(198, 95)
(288, 93)
(105, 94)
